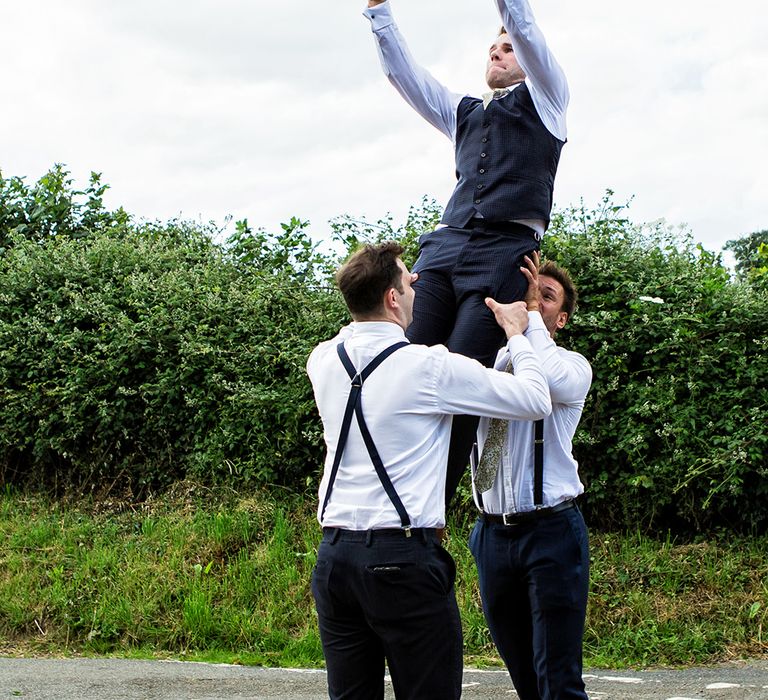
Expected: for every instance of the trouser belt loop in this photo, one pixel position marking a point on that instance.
(335, 535)
(368, 538)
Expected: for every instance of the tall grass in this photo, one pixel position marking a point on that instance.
(658, 602)
(227, 578)
(175, 576)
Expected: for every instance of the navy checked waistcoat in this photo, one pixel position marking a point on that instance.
(506, 160)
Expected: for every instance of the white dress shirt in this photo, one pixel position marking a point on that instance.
(569, 377)
(408, 402)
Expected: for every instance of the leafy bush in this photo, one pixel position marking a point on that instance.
(751, 254)
(142, 353)
(674, 431)
(145, 353)
(52, 208)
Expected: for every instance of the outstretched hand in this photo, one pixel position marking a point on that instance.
(513, 318)
(531, 272)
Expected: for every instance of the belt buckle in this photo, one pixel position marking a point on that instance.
(504, 519)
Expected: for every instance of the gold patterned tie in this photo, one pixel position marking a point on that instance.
(498, 428)
(494, 95)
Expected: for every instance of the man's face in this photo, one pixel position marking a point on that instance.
(551, 299)
(502, 69)
(408, 295)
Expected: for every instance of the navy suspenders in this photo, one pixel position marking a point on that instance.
(354, 405)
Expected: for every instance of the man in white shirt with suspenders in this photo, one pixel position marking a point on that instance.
(383, 584)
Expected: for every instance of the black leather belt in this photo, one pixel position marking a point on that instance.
(527, 516)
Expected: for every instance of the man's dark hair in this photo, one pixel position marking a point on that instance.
(560, 274)
(367, 275)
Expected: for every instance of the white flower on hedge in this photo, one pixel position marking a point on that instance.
(653, 300)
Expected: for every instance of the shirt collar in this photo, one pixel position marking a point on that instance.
(374, 330)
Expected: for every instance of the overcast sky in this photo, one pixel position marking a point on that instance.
(269, 109)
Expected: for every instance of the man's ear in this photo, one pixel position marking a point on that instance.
(390, 298)
(562, 319)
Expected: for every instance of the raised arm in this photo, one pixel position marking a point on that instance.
(430, 98)
(466, 387)
(568, 374)
(546, 79)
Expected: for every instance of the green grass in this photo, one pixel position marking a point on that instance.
(226, 579)
(658, 602)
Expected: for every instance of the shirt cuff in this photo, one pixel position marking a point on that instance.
(535, 322)
(380, 16)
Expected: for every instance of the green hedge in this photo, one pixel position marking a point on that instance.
(140, 354)
(134, 354)
(675, 430)
(147, 355)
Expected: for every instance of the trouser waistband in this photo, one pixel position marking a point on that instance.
(512, 227)
(510, 519)
(334, 534)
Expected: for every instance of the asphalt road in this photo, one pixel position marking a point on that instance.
(120, 679)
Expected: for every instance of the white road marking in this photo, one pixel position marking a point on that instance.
(619, 679)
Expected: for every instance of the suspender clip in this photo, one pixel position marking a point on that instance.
(407, 530)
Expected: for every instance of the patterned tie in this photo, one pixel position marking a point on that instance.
(494, 95)
(493, 448)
